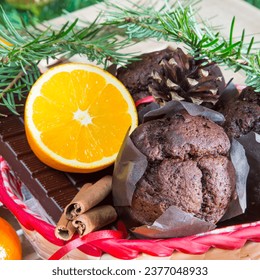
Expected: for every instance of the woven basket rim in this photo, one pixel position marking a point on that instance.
(114, 242)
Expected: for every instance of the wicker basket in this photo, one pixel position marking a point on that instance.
(233, 242)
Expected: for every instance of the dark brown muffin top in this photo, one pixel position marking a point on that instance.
(181, 136)
(242, 113)
(137, 75)
(188, 167)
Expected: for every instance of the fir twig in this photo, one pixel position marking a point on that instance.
(15, 84)
(30, 45)
(99, 42)
(182, 26)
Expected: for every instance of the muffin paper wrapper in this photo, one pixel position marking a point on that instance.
(131, 165)
(251, 143)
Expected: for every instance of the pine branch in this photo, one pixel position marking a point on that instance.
(23, 49)
(179, 24)
(99, 41)
(93, 41)
(15, 84)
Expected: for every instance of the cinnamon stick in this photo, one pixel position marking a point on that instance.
(64, 229)
(88, 197)
(94, 219)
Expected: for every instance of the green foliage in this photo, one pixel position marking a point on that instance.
(256, 3)
(31, 44)
(180, 24)
(56, 7)
(35, 13)
(15, 84)
(99, 41)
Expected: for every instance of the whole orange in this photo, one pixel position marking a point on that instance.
(10, 245)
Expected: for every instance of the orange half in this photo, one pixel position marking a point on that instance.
(76, 117)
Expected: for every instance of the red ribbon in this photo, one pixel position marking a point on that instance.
(147, 99)
(114, 242)
(84, 243)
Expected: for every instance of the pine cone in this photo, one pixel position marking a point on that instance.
(171, 74)
(181, 77)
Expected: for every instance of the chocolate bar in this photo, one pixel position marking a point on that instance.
(52, 188)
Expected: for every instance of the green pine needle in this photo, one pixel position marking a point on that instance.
(99, 41)
(30, 45)
(181, 25)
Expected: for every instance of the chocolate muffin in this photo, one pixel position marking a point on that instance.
(242, 113)
(170, 74)
(188, 167)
